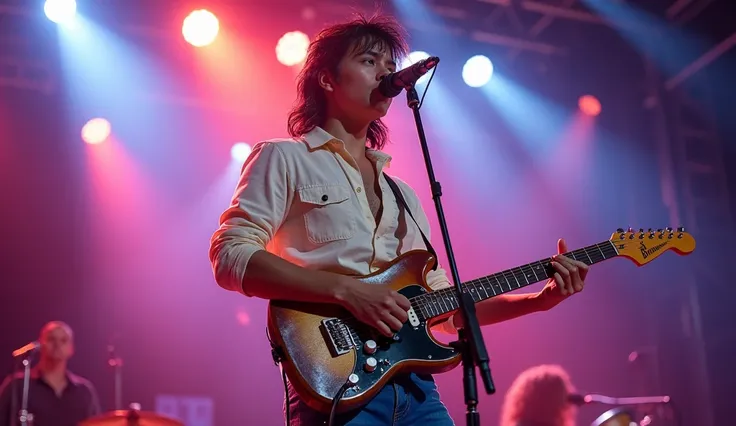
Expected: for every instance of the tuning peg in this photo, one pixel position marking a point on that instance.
(620, 230)
(650, 230)
(641, 229)
(681, 229)
(668, 229)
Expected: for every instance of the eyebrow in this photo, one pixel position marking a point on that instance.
(377, 55)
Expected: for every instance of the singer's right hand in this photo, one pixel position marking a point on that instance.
(376, 305)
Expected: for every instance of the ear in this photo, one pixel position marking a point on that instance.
(326, 81)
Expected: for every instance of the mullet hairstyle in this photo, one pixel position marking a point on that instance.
(325, 53)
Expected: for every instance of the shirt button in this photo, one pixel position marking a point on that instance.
(358, 190)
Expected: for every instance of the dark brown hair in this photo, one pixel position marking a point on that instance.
(325, 52)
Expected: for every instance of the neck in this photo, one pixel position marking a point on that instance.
(352, 133)
(52, 368)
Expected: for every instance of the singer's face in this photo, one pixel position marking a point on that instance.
(355, 91)
(56, 344)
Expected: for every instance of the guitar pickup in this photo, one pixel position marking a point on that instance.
(339, 336)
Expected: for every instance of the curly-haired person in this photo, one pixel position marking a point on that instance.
(539, 397)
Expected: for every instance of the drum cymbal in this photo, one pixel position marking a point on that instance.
(130, 418)
(615, 417)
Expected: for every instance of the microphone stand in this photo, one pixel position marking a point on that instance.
(470, 341)
(24, 417)
(116, 363)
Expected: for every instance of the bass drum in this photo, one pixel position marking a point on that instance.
(615, 417)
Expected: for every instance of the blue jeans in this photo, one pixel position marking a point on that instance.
(406, 400)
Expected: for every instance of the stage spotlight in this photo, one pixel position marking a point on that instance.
(60, 11)
(240, 152)
(291, 48)
(97, 130)
(412, 59)
(589, 105)
(477, 71)
(200, 28)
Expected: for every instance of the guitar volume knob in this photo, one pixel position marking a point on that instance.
(370, 347)
(370, 364)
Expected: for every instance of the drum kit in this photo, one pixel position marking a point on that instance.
(625, 412)
(131, 417)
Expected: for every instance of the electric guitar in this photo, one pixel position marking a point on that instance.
(329, 356)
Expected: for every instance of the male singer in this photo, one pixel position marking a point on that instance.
(57, 397)
(310, 210)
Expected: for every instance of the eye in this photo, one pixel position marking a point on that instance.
(370, 61)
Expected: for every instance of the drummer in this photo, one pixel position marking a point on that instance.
(56, 395)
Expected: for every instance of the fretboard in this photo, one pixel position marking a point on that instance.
(440, 302)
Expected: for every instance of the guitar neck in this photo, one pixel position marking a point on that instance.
(440, 302)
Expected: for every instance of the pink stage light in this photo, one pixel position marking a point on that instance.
(589, 105)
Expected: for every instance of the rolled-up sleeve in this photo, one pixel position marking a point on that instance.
(257, 211)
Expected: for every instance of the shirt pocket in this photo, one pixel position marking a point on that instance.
(329, 215)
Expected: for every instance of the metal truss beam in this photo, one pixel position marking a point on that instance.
(26, 74)
(703, 61)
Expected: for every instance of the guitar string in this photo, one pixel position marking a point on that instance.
(423, 306)
(421, 302)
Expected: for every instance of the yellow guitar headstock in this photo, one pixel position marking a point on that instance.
(644, 246)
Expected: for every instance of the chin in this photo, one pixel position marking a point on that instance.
(380, 111)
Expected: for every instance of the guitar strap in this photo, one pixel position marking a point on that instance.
(400, 198)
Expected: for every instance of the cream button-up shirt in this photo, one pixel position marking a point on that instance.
(304, 200)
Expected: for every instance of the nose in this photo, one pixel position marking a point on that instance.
(383, 73)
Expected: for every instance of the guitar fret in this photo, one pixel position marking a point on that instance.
(507, 281)
(524, 274)
(589, 259)
(536, 277)
(518, 284)
(485, 290)
(599, 249)
(474, 293)
(423, 307)
(427, 308)
(455, 301)
(499, 286)
(527, 275)
(441, 303)
(436, 306)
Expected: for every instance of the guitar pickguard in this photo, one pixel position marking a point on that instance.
(411, 345)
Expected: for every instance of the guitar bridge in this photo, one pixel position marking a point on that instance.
(339, 335)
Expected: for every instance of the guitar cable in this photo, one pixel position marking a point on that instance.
(336, 400)
(277, 358)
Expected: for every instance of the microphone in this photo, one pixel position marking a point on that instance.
(31, 347)
(576, 399)
(392, 85)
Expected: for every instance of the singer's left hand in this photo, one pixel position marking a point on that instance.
(569, 279)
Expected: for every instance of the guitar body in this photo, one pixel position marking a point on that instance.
(318, 363)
